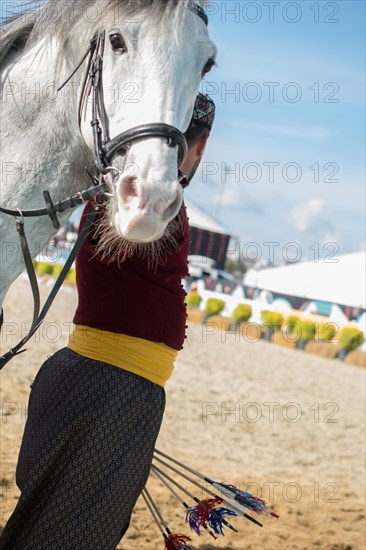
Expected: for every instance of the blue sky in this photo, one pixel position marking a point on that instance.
(294, 128)
(298, 72)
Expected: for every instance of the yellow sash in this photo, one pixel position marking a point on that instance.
(151, 360)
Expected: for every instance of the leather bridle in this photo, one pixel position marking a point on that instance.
(105, 149)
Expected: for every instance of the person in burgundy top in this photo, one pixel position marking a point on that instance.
(96, 406)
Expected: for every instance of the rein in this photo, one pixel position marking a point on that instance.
(38, 318)
(104, 150)
(52, 209)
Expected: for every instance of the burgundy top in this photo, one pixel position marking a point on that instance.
(134, 298)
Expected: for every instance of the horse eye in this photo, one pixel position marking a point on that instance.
(207, 68)
(117, 43)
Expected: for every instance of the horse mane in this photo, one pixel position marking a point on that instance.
(55, 19)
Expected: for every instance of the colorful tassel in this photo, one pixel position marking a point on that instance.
(177, 542)
(194, 520)
(198, 515)
(216, 519)
(255, 504)
(206, 513)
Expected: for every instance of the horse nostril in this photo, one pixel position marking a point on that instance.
(173, 208)
(129, 188)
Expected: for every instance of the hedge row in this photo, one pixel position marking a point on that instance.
(53, 270)
(305, 330)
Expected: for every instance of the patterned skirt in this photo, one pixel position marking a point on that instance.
(85, 455)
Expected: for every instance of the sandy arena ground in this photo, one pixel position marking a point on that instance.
(304, 453)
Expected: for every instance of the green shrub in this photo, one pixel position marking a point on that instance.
(71, 276)
(56, 270)
(327, 331)
(44, 268)
(292, 322)
(242, 313)
(307, 329)
(350, 338)
(213, 307)
(193, 299)
(271, 320)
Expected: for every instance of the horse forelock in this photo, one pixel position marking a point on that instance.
(54, 19)
(57, 19)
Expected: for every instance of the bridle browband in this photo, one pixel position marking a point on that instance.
(104, 150)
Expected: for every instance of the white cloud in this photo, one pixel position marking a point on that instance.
(303, 216)
(236, 198)
(229, 197)
(311, 132)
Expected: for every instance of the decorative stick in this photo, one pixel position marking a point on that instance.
(245, 499)
(216, 516)
(172, 542)
(153, 513)
(175, 494)
(235, 507)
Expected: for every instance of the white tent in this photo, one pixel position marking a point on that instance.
(200, 219)
(209, 239)
(339, 280)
